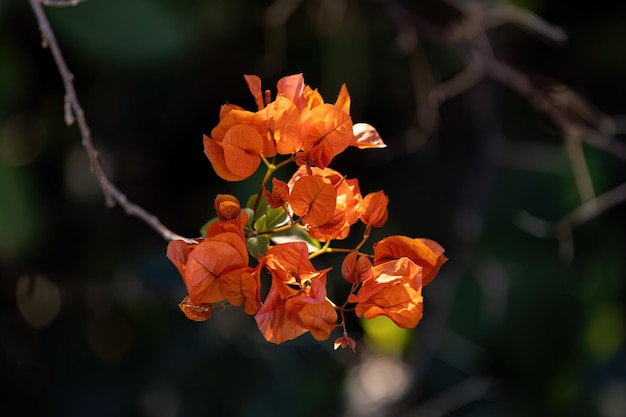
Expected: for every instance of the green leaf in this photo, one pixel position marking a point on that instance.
(260, 210)
(276, 217)
(250, 213)
(257, 245)
(272, 219)
(260, 225)
(296, 234)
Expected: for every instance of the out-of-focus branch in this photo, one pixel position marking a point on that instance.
(562, 229)
(500, 15)
(578, 121)
(576, 155)
(61, 3)
(74, 113)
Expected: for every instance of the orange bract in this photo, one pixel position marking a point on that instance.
(424, 252)
(374, 209)
(346, 204)
(329, 134)
(343, 100)
(393, 290)
(195, 312)
(313, 199)
(318, 204)
(227, 207)
(283, 125)
(279, 195)
(296, 302)
(215, 152)
(242, 146)
(365, 136)
(254, 84)
(356, 270)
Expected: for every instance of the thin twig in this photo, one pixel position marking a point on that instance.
(563, 228)
(582, 176)
(74, 113)
(61, 3)
(578, 121)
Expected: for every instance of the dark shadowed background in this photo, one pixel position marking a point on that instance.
(514, 325)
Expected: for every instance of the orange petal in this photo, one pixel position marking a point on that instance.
(393, 290)
(212, 258)
(374, 209)
(319, 319)
(424, 252)
(178, 252)
(230, 116)
(227, 207)
(313, 199)
(292, 87)
(343, 100)
(313, 97)
(284, 125)
(195, 312)
(329, 133)
(254, 84)
(279, 195)
(242, 146)
(365, 136)
(215, 152)
(401, 303)
(239, 287)
(272, 318)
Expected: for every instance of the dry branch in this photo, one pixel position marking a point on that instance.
(74, 113)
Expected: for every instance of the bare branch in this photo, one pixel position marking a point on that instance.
(73, 112)
(582, 177)
(578, 120)
(563, 228)
(61, 3)
(499, 15)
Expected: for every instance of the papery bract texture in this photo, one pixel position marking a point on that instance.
(424, 252)
(394, 290)
(296, 302)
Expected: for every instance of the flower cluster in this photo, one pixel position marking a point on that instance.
(286, 224)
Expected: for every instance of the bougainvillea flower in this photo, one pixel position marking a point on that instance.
(279, 121)
(424, 252)
(254, 84)
(239, 134)
(293, 87)
(345, 341)
(227, 207)
(343, 100)
(394, 290)
(313, 198)
(279, 195)
(329, 132)
(296, 302)
(216, 269)
(356, 269)
(284, 126)
(347, 203)
(242, 146)
(215, 152)
(231, 219)
(374, 209)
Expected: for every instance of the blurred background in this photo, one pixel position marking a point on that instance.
(526, 318)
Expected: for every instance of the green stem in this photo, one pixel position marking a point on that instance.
(323, 249)
(271, 168)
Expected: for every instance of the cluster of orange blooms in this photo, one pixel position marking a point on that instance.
(281, 230)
